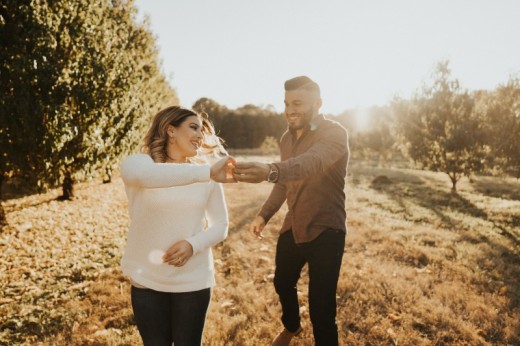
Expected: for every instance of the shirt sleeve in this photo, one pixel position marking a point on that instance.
(139, 170)
(218, 222)
(274, 202)
(328, 149)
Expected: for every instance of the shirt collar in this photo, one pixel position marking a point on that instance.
(315, 122)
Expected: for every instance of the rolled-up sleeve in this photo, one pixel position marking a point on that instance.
(274, 202)
(329, 148)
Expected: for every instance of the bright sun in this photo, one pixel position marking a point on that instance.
(362, 119)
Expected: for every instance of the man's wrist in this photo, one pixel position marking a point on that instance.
(274, 173)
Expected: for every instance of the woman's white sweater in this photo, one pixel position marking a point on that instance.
(167, 203)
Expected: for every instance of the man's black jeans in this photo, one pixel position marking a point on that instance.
(163, 318)
(323, 255)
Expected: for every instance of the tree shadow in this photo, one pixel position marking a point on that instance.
(28, 204)
(404, 188)
(508, 283)
(496, 187)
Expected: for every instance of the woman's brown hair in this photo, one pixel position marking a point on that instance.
(156, 139)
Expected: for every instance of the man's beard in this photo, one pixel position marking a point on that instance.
(304, 121)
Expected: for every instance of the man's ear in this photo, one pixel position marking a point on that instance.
(318, 103)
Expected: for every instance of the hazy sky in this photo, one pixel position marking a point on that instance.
(361, 52)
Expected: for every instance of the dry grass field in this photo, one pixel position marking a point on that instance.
(422, 266)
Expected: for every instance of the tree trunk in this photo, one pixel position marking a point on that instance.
(68, 187)
(454, 180)
(107, 178)
(3, 219)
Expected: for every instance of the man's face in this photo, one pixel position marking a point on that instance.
(300, 107)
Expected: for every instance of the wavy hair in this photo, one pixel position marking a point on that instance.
(156, 139)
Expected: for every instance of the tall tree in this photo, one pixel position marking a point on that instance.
(440, 130)
(26, 82)
(81, 80)
(501, 111)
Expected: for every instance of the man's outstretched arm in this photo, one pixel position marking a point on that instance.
(322, 155)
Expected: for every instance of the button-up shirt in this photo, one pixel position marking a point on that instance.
(312, 180)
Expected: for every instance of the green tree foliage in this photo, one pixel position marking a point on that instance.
(500, 110)
(80, 79)
(23, 90)
(440, 129)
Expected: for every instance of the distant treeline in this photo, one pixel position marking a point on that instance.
(443, 128)
(245, 127)
(80, 80)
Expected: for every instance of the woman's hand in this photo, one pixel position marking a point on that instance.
(222, 170)
(178, 254)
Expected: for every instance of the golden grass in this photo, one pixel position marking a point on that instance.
(422, 266)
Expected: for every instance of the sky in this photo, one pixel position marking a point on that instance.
(361, 52)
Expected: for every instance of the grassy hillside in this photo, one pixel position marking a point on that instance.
(422, 266)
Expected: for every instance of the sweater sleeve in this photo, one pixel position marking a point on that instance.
(217, 216)
(139, 170)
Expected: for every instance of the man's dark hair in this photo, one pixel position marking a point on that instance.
(302, 82)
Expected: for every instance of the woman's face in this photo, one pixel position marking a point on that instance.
(187, 138)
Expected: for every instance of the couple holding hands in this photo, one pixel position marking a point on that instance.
(178, 212)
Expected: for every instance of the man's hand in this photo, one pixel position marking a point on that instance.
(257, 226)
(178, 254)
(251, 172)
(222, 170)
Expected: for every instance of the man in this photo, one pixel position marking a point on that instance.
(311, 178)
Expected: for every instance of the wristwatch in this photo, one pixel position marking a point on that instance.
(272, 177)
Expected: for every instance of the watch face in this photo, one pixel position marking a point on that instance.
(273, 175)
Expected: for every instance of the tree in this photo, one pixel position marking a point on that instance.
(215, 111)
(379, 137)
(80, 80)
(244, 127)
(26, 79)
(439, 128)
(501, 111)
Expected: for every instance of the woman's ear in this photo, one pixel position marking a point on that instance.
(170, 130)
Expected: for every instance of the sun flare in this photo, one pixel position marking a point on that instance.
(362, 119)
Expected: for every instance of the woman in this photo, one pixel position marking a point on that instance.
(177, 212)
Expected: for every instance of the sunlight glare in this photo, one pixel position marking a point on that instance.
(362, 119)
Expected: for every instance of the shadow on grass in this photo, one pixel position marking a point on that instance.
(498, 188)
(29, 204)
(504, 275)
(503, 279)
(405, 187)
(247, 213)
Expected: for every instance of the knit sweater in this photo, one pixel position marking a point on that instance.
(167, 203)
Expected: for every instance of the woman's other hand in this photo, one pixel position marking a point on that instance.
(178, 254)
